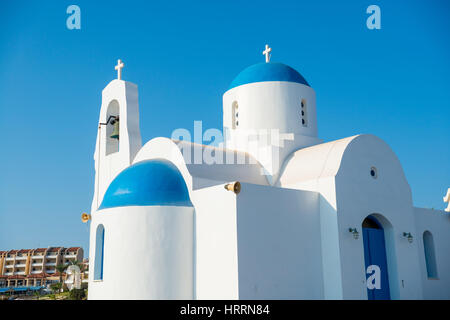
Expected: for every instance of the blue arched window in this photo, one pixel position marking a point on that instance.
(430, 258)
(99, 248)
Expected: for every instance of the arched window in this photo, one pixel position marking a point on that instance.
(99, 248)
(303, 112)
(112, 142)
(430, 258)
(234, 115)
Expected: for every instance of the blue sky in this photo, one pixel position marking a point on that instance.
(183, 55)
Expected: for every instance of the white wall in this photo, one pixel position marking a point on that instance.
(216, 246)
(314, 168)
(438, 223)
(278, 238)
(148, 253)
(340, 171)
(272, 105)
(266, 106)
(358, 195)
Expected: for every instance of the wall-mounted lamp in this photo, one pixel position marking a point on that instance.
(354, 232)
(235, 187)
(85, 217)
(408, 236)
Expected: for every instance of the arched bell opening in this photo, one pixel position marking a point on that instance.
(112, 127)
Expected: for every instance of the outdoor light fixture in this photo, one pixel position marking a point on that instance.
(235, 187)
(85, 217)
(354, 232)
(408, 236)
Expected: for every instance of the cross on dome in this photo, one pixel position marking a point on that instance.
(267, 53)
(119, 67)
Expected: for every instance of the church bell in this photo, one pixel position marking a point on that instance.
(115, 133)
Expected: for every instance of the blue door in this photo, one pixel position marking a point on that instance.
(375, 254)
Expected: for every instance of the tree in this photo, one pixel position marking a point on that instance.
(61, 268)
(37, 294)
(55, 286)
(77, 294)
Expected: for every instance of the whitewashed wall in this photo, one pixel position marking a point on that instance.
(278, 243)
(314, 168)
(216, 243)
(359, 195)
(148, 253)
(340, 172)
(269, 105)
(438, 223)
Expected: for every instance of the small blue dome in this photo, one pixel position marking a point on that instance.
(271, 71)
(154, 182)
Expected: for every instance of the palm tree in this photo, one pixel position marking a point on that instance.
(61, 268)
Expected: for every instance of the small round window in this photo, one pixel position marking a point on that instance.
(373, 172)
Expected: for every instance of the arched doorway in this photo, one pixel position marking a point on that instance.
(375, 260)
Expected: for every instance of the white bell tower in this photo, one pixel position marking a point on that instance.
(118, 134)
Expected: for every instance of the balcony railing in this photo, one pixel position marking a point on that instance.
(9, 258)
(52, 256)
(22, 265)
(37, 257)
(37, 264)
(50, 264)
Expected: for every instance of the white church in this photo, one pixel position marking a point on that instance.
(273, 212)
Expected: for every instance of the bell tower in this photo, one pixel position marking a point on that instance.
(118, 133)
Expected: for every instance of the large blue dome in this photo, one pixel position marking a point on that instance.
(154, 182)
(271, 71)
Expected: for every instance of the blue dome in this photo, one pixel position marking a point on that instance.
(271, 71)
(154, 182)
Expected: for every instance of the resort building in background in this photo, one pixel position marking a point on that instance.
(36, 267)
(85, 271)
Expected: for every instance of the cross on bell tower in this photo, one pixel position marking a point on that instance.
(119, 67)
(267, 53)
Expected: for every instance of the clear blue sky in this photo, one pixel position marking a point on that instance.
(392, 82)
